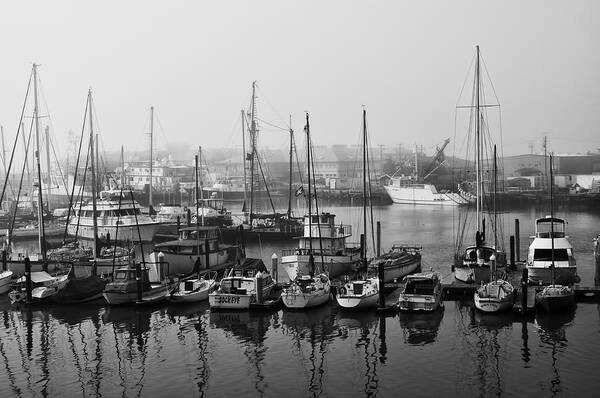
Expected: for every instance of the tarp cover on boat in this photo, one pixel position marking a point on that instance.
(37, 277)
(78, 289)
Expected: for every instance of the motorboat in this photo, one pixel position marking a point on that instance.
(115, 210)
(405, 191)
(358, 294)
(194, 288)
(330, 251)
(242, 286)
(200, 245)
(550, 243)
(138, 285)
(307, 291)
(422, 292)
(398, 262)
(43, 285)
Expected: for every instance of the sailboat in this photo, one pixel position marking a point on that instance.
(555, 297)
(323, 240)
(497, 294)
(472, 263)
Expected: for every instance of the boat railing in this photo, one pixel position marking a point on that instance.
(315, 252)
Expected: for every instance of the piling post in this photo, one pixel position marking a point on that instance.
(138, 281)
(517, 239)
(378, 238)
(206, 254)
(380, 275)
(524, 281)
(363, 254)
(4, 265)
(28, 279)
(274, 271)
(512, 252)
(189, 217)
(178, 223)
(259, 289)
(242, 240)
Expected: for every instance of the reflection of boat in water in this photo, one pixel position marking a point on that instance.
(248, 326)
(420, 328)
(299, 322)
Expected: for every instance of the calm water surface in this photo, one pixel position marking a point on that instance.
(95, 350)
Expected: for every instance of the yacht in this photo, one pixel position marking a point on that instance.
(539, 258)
(330, 251)
(405, 191)
(113, 208)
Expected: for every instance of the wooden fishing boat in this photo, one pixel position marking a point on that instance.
(555, 298)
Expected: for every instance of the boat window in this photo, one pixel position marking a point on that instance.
(315, 219)
(188, 250)
(121, 275)
(546, 255)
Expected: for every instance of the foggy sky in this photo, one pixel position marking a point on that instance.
(405, 60)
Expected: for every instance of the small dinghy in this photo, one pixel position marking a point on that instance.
(195, 288)
(494, 296)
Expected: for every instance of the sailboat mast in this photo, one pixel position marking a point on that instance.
(253, 147)
(200, 182)
(151, 142)
(49, 183)
(494, 203)
(307, 128)
(364, 198)
(244, 160)
(94, 186)
(478, 142)
(40, 213)
(552, 220)
(289, 211)
(122, 168)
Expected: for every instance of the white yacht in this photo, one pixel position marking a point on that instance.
(111, 210)
(243, 285)
(539, 258)
(330, 251)
(405, 191)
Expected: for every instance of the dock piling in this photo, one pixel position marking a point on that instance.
(138, 281)
(378, 238)
(512, 252)
(28, 279)
(524, 290)
(206, 254)
(380, 275)
(259, 291)
(517, 239)
(4, 265)
(274, 263)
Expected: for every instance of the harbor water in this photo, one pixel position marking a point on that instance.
(96, 350)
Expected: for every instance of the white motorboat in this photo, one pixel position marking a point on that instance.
(358, 294)
(306, 291)
(330, 251)
(244, 285)
(197, 247)
(5, 280)
(422, 292)
(44, 286)
(494, 296)
(113, 208)
(550, 242)
(194, 289)
(398, 262)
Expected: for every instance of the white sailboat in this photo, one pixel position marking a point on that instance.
(307, 291)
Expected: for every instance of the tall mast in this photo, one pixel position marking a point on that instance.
(151, 141)
(122, 168)
(478, 142)
(495, 192)
(289, 211)
(196, 188)
(94, 186)
(253, 147)
(244, 159)
(49, 183)
(307, 128)
(552, 220)
(40, 214)
(200, 180)
(416, 163)
(4, 150)
(364, 249)
(98, 174)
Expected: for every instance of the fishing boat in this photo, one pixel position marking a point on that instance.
(422, 292)
(127, 287)
(307, 291)
(5, 281)
(551, 245)
(43, 287)
(196, 244)
(398, 262)
(557, 296)
(472, 263)
(118, 218)
(243, 285)
(194, 288)
(358, 294)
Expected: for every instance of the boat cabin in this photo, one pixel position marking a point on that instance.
(550, 227)
(325, 223)
(421, 285)
(481, 253)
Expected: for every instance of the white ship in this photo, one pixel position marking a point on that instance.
(110, 211)
(404, 191)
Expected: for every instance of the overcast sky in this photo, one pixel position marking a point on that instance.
(405, 60)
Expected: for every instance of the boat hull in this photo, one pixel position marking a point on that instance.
(396, 272)
(125, 233)
(294, 300)
(228, 301)
(415, 196)
(334, 265)
(488, 304)
(5, 281)
(543, 275)
(152, 295)
(357, 302)
(184, 264)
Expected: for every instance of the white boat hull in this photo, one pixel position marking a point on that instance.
(487, 304)
(125, 233)
(334, 265)
(5, 280)
(357, 302)
(297, 300)
(184, 264)
(464, 274)
(416, 196)
(230, 301)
